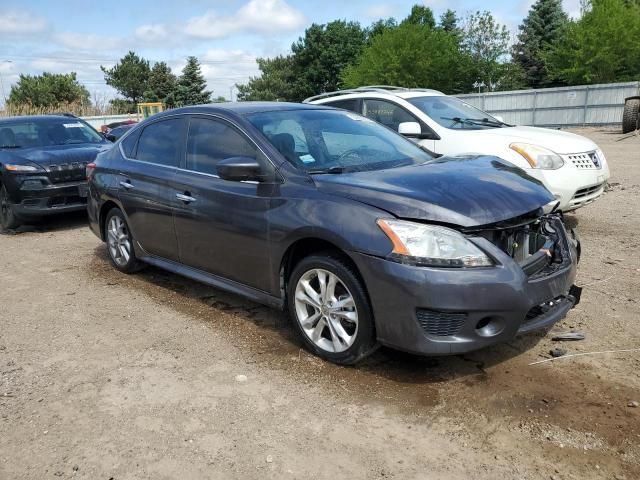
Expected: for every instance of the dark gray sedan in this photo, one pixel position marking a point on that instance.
(361, 235)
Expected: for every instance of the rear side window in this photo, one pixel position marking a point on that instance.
(160, 142)
(129, 144)
(210, 141)
(387, 113)
(351, 104)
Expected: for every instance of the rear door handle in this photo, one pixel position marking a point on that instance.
(128, 185)
(185, 197)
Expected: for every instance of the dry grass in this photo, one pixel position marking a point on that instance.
(79, 109)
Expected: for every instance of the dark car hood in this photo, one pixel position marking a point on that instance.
(464, 191)
(59, 154)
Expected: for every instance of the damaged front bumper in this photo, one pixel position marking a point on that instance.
(438, 311)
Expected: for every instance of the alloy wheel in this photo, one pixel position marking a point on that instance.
(326, 310)
(119, 241)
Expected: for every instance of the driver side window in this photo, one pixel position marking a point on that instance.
(387, 113)
(210, 141)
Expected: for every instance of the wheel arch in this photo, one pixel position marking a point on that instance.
(102, 215)
(309, 245)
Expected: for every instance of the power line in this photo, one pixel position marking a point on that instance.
(108, 60)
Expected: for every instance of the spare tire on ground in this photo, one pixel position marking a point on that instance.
(631, 115)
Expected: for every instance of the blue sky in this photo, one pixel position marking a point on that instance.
(226, 35)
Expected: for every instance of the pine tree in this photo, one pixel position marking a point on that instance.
(540, 28)
(191, 87)
(449, 22)
(161, 84)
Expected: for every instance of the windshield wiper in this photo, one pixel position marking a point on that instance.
(477, 121)
(330, 170)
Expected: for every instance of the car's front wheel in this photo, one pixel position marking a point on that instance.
(330, 309)
(8, 218)
(120, 242)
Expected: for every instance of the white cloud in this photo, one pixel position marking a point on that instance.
(152, 32)
(381, 10)
(87, 41)
(256, 16)
(21, 22)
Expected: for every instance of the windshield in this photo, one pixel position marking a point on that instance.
(330, 141)
(453, 113)
(46, 132)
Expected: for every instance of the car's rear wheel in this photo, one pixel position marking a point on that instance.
(8, 218)
(330, 309)
(120, 242)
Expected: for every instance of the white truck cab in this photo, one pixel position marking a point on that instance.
(572, 167)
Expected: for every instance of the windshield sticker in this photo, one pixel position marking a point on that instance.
(73, 125)
(307, 159)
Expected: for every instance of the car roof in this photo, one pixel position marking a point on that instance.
(36, 118)
(244, 108)
(375, 91)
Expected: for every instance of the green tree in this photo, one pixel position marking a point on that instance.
(449, 22)
(275, 82)
(542, 26)
(130, 76)
(487, 43)
(421, 15)
(49, 90)
(191, 88)
(323, 52)
(380, 26)
(397, 57)
(161, 85)
(602, 46)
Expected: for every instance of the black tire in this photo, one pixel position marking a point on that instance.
(8, 218)
(126, 264)
(364, 338)
(631, 115)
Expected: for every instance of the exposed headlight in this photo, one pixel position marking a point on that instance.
(538, 157)
(21, 168)
(431, 245)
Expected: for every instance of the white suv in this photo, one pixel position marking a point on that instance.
(572, 167)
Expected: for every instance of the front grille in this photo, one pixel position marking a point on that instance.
(440, 324)
(582, 161)
(67, 172)
(585, 192)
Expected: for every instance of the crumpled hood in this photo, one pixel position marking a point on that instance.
(466, 191)
(556, 140)
(59, 154)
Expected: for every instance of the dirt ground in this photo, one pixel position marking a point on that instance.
(108, 376)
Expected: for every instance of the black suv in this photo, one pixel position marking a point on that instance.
(364, 237)
(43, 162)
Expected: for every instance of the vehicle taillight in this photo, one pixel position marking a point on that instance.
(89, 170)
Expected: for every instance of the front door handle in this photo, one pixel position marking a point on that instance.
(185, 197)
(128, 185)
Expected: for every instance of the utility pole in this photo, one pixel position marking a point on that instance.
(4, 95)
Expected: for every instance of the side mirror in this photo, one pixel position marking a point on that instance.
(237, 169)
(410, 129)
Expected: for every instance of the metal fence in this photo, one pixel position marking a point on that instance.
(558, 107)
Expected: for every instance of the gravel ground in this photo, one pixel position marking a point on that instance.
(108, 376)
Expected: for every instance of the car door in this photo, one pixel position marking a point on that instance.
(392, 115)
(144, 186)
(221, 225)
